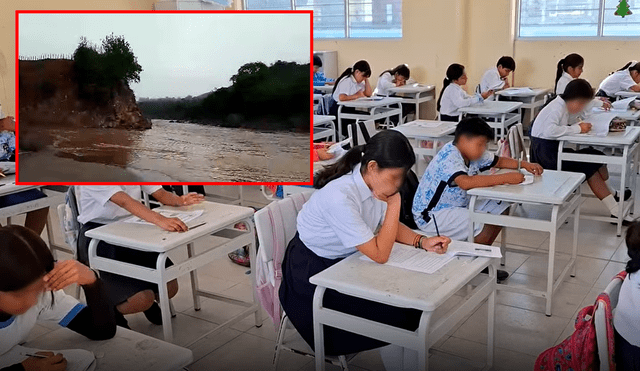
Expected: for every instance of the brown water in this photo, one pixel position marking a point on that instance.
(186, 152)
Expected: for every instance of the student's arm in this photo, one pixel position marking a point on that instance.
(635, 88)
(8, 123)
(464, 100)
(467, 182)
(555, 128)
(379, 247)
(172, 199)
(436, 244)
(141, 211)
(367, 87)
(510, 163)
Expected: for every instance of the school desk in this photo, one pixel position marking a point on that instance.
(498, 114)
(317, 98)
(216, 218)
(531, 101)
(426, 130)
(127, 351)
(555, 189)
(374, 108)
(627, 94)
(325, 127)
(325, 89)
(623, 152)
(415, 94)
(407, 289)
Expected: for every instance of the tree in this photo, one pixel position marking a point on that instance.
(623, 9)
(120, 61)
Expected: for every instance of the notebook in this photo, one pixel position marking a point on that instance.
(77, 359)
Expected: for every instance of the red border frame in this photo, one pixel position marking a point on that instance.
(309, 12)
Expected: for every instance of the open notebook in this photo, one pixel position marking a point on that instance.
(77, 359)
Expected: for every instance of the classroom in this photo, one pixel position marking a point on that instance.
(500, 136)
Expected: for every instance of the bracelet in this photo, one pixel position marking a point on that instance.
(418, 244)
(416, 239)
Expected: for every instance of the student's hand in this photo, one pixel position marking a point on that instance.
(514, 177)
(171, 224)
(391, 200)
(506, 84)
(191, 199)
(606, 105)
(585, 127)
(53, 362)
(330, 83)
(360, 94)
(436, 244)
(68, 272)
(534, 169)
(486, 94)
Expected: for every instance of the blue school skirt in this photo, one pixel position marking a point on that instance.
(21, 197)
(296, 298)
(545, 153)
(449, 118)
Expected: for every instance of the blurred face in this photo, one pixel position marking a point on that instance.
(577, 105)
(462, 80)
(360, 76)
(472, 148)
(635, 75)
(18, 302)
(575, 72)
(383, 183)
(400, 79)
(503, 72)
(316, 69)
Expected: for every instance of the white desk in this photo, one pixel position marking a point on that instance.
(498, 114)
(624, 152)
(530, 101)
(371, 109)
(127, 351)
(326, 127)
(627, 94)
(317, 98)
(416, 94)
(325, 89)
(217, 217)
(557, 189)
(419, 130)
(407, 289)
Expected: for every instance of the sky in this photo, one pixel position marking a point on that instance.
(181, 54)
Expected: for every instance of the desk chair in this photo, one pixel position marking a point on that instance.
(613, 291)
(361, 131)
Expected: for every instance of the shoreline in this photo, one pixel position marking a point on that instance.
(268, 127)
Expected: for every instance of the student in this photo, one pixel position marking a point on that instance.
(100, 205)
(553, 122)
(570, 68)
(626, 78)
(497, 78)
(319, 79)
(398, 76)
(626, 318)
(453, 96)
(31, 291)
(442, 192)
(356, 208)
(351, 85)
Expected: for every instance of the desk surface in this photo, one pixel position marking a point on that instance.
(612, 139)
(370, 102)
(325, 89)
(534, 92)
(396, 286)
(127, 351)
(8, 186)
(552, 187)
(317, 97)
(628, 94)
(412, 88)
(322, 119)
(491, 107)
(153, 238)
(421, 129)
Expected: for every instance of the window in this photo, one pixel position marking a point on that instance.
(344, 18)
(577, 18)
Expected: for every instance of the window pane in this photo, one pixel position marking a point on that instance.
(268, 4)
(328, 17)
(617, 26)
(541, 18)
(375, 18)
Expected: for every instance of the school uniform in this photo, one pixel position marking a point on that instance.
(491, 80)
(551, 123)
(337, 218)
(626, 321)
(96, 210)
(319, 79)
(563, 81)
(348, 86)
(385, 82)
(617, 81)
(455, 97)
(439, 196)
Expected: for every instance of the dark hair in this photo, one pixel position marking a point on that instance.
(454, 72)
(24, 258)
(389, 148)
(473, 127)
(577, 89)
(572, 60)
(635, 67)
(317, 61)
(402, 70)
(633, 247)
(507, 62)
(362, 66)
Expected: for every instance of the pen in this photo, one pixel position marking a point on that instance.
(34, 355)
(437, 231)
(479, 249)
(197, 225)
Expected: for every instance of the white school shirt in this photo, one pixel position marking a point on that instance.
(340, 216)
(564, 80)
(626, 318)
(617, 81)
(95, 205)
(348, 86)
(562, 83)
(16, 329)
(491, 80)
(553, 121)
(455, 97)
(385, 82)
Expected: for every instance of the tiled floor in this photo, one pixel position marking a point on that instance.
(522, 330)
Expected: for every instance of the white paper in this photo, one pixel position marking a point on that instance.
(419, 260)
(462, 248)
(7, 168)
(427, 124)
(516, 91)
(622, 104)
(77, 359)
(185, 216)
(600, 123)
(528, 179)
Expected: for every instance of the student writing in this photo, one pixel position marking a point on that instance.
(626, 78)
(570, 68)
(453, 96)
(497, 78)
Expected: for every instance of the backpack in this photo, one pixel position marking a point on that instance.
(579, 352)
(407, 192)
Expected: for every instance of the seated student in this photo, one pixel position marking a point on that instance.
(497, 78)
(356, 208)
(553, 122)
(31, 291)
(100, 205)
(570, 68)
(442, 192)
(36, 219)
(453, 95)
(626, 78)
(626, 318)
(319, 79)
(351, 85)
(398, 76)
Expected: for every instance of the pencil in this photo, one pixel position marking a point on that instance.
(34, 355)
(436, 224)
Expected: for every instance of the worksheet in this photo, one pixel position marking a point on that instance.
(77, 359)
(622, 104)
(185, 216)
(600, 123)
(419, 260)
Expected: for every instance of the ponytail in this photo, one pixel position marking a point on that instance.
(402, 70)
(454, 72)
(633, 247)
(388, 148)
(362, 66)
(572, 60)
(631, 66)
